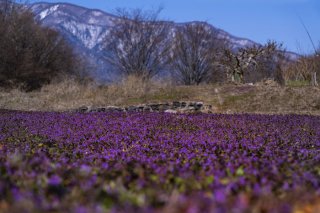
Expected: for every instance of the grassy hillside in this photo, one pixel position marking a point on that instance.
(261, 98)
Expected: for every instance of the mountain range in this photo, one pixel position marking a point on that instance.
(86, 29)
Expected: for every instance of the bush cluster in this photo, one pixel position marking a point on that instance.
(306, 69)
(31, 55)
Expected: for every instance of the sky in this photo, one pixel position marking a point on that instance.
(257, 20)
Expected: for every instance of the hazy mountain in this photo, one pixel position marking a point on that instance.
(86, 28)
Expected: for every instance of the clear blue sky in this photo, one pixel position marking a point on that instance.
(258, 20)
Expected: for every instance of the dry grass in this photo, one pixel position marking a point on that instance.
(70, 94)
(274, 100)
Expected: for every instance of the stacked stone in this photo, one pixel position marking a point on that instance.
(174, 107)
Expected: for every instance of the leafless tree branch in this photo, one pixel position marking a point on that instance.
(138, 44)
(196, 48)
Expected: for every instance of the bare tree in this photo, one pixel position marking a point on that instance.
(271, 62)
(196, 50)
(138, 44)
(263, 60)
(30, 55)
(238, 63)
(306, 68)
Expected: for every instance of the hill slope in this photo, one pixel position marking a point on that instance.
(86, 29)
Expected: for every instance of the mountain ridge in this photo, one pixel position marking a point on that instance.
(236, 40)
(86, 29)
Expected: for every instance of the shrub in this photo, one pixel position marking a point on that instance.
(31, 55)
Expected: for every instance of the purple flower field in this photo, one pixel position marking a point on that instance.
(158, 162)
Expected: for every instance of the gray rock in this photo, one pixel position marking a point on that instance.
(171, 111)
(184, 104)
(113, 109)
(176, 104)
(174, 107)
(163, 107)
(154, 107)
(147, 109)
(82, 109)
(131, 109)
(141, 108)
(191, 104)
(198, 105)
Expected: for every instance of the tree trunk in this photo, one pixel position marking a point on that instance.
(314, 79)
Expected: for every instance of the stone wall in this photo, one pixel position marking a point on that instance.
(173, 107)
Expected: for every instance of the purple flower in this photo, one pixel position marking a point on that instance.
(220, 196)
(54, 180)
(146, 161)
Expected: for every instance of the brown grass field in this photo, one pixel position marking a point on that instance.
(227, 98)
